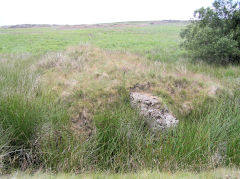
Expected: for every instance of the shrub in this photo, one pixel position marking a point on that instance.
(214, 35)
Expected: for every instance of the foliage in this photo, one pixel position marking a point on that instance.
(214, 35)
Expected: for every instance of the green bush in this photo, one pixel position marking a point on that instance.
(214, 35)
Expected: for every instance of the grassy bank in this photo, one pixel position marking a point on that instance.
(66, 108)
(206, 138)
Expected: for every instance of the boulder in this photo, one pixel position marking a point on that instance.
(157, 115)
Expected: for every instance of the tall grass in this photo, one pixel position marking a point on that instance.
(206, 138)
(25, 108)
(35, 130)
(121, 140)
(36, 133)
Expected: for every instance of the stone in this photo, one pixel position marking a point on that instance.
(157, 115)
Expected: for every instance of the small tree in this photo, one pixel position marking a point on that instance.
(214, 34)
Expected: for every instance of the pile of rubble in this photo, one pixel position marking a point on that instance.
(157, 115)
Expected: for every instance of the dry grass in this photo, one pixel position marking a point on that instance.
(87, 77)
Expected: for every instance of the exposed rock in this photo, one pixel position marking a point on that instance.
(158, 116)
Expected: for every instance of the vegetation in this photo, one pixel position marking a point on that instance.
(141, 40)
(52, 94)
(219, 173)
(214, 35)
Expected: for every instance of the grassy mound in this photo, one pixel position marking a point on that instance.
(41, 93)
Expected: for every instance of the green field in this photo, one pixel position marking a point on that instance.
(140, 40)
(64, 103)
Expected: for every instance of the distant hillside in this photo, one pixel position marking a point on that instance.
(28, 25)
(80, 26)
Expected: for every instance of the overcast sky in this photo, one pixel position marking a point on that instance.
(95, 11)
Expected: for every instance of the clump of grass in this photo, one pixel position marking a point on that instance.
(61, 150)
(121, 141)
(25, 118)
(210, 129)
(24, 109)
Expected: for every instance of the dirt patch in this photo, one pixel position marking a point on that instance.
(82, 124)
(140, 87)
